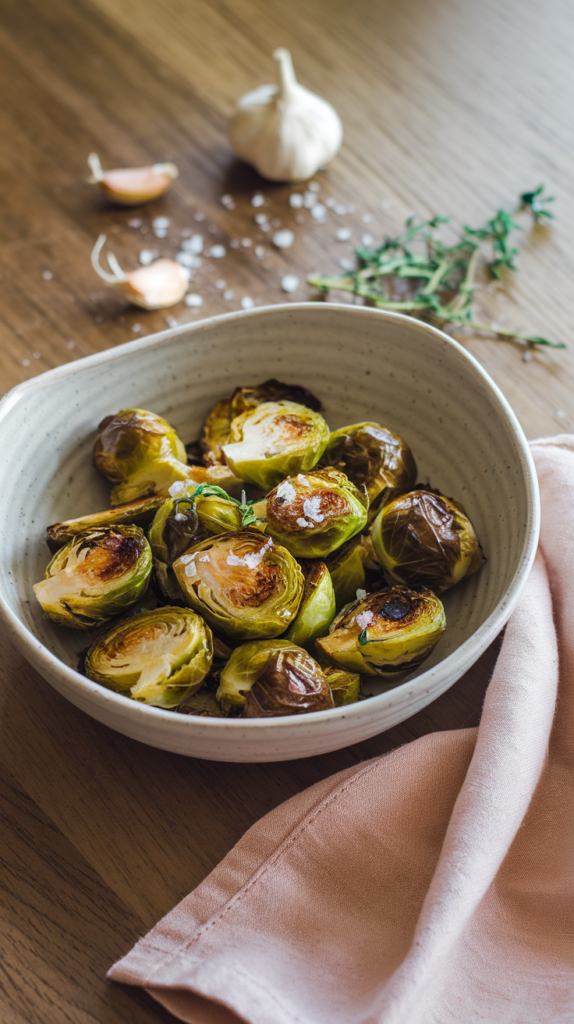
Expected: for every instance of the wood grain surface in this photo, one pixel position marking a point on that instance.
(449, 107)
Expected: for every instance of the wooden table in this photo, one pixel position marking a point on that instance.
(449, 106)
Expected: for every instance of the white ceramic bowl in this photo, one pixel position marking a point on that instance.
(364, 365)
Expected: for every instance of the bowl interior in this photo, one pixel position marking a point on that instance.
(363, 365)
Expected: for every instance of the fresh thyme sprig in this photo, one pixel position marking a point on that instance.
(438, 281)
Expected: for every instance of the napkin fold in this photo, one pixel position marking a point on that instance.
(432, 885)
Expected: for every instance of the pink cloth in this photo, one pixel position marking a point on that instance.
(433, 885)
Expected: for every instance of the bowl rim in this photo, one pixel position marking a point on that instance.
(482, 637)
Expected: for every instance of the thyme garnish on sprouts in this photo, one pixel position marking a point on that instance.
(418, 274)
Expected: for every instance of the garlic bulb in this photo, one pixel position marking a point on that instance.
(130, 186)
(285, 131)
(155, 286)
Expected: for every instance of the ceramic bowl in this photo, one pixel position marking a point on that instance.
(364, 365)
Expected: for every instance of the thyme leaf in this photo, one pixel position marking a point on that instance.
(418, 274)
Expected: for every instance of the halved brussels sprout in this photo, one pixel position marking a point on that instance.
(347, 572)
(158, 657)
(314, 513)
(96, 575)
(345, 686)
(373, 457)
(385, 633)
(425, 539)
(317, 609)
(218, 423)
(269, 678)
(242, 583)
(136, 513)
(273, 441)
(140, 453)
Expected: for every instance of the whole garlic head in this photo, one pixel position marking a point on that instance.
(285, 131)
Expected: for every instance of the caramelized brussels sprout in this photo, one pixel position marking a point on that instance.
(202, 705)
(317, 609)
(273, 441)
(425, 539)
(314, 513)
(242, 583)
(158, 657)
(140, 453)
(347, 572)
(176, 526)
(97, 574)
(345, 686)
(220, 513)
(218, 423)
(269, 678)
(381, 634)
(136, 513)
(373, 457)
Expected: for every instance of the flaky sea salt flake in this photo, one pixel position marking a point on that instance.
(283, 239)
(290, 282)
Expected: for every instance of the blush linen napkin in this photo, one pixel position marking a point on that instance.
(432, 885)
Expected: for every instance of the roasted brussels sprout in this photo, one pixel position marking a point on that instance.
(269, 678)
(317, 609)
(140, 453)
(220, 513)
(374, 458)
(202, 705)
(312, 514)
(345, 686)
(136, 513)
(242, 583)
(347, 572)
(176, 526)
(158, 657)
(96, 575)
(385, 633)
(425, 539)
(218, 423)
(273, 441)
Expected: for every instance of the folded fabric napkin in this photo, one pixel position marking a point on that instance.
(433, 884)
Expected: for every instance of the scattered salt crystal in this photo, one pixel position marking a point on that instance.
(283, 239)
(180, 517)
(331, 202)
(161, 222)
(186, 232)
(299, 218)
(160, 232)
(135, 222)
(187, 259)
(173, 490)
(296, 200)
(217, 251)
(286, 491)
(199, 215)
(302, 480)
(228, 294)
(366, 218)
(246, 242)
(171, 321)
(560, 413)
(257, 200)
(203, 558)
(212, 229)
(36, 355)
(220, 284)
(25, 362)
(193, 244)
(190, 569)
(185, 559)
(303, 522)
(136, 328)
(260, 252)
(47, 275)
(227, 201)
(147, 256)
(260, 218)
(319, 212)
(340, 209)
(527, 356)
(265, 227)
(70, 344)
(343, 234)
(290, 282)
(361, 594)
(364, 618)
(276, 223)
(312, 509)
(193, 300)
(234, 243)
(247, 302)
(314, 186)
(309, 200)
(367, 239)
(346, 263)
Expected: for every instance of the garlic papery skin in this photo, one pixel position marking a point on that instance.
(160, 284)
(131, 186)
(285, 131)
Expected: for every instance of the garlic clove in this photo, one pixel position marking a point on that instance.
(158, 285)
(285, 131)
(131, 186)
